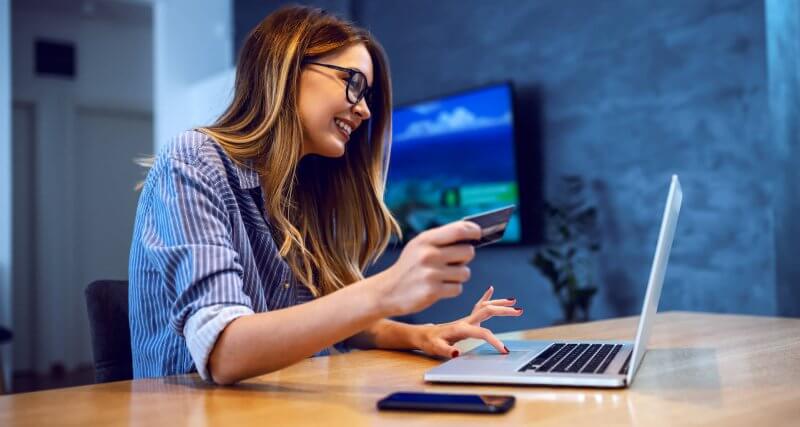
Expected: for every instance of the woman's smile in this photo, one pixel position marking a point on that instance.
(343, 128)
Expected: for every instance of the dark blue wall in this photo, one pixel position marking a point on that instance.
(631, 93)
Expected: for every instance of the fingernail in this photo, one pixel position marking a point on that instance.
(454, 354)
(511, 299)
(506, 349)
(518, 309)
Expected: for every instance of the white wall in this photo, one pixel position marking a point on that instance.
(114, 62)
(5, 178)
(193, 45)
(114, 72)
(209, 98)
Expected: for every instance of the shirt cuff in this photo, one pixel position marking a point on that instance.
(203, 328)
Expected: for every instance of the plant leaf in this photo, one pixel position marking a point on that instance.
(571, 252)
(565, 232)
(587, 217)
(554, 253)
(547, 268)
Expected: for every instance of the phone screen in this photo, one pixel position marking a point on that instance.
(447, 402)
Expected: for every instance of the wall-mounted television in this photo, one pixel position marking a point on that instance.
(458, 155)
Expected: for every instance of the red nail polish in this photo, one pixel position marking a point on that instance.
(506, 349)
(455, 353)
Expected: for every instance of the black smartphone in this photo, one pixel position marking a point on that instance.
(417, 401)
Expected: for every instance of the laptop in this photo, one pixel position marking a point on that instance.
(606, 364)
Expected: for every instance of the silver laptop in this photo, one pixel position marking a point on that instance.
(569, 362)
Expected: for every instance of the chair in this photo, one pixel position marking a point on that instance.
(5, 335)
(107, 305)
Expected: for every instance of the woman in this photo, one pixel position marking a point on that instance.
(252, 234)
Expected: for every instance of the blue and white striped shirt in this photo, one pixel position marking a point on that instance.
(202, 255)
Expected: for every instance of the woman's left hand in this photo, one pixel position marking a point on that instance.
(438, 339)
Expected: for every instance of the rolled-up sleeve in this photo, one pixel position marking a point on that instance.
(190, 241)
(203, 329)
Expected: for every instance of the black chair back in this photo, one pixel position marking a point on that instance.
(5, 335)
(107, 305)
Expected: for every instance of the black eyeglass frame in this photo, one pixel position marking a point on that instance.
(351, 72)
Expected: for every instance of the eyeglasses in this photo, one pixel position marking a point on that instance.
(356, 83)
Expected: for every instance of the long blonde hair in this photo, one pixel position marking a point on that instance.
(328, 215)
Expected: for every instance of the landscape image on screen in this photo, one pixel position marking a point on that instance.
(453, 157)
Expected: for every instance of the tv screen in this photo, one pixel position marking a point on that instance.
(452, 157)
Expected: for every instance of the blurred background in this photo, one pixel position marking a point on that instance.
(606, 99)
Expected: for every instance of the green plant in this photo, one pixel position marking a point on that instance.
(566, 259)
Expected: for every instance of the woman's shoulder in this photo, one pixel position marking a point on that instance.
(191, 147)
(194, 149)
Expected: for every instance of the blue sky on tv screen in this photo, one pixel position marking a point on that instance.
(466, 137)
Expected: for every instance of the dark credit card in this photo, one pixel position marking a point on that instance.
(493, 224)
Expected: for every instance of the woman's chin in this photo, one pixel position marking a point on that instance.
(337, 147)
(333, 147)
(334, 150)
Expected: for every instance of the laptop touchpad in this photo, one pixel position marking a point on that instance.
(491, 353)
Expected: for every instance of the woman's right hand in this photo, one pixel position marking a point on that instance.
(432, 266)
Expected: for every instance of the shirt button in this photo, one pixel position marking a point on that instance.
(286, 285)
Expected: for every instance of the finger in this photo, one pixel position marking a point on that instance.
(486, 335)
(457, 254)
(484, 299)
(454, 274)
(443, 348)
(505, 302)
(450, 290)
(490, 311)
(486, 295)
(454, 232)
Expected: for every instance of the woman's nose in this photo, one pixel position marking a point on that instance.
(361, 109)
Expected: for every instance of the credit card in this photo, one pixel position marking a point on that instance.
(493, 224)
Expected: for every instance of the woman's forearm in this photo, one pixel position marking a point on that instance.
(431, 267)
(388, 334)
(265, 342)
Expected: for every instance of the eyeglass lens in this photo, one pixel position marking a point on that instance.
(356, 88)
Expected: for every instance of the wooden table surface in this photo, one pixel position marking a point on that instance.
(701, 369)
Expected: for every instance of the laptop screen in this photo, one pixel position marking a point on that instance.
(659, 268)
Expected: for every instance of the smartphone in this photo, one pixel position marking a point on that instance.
(445, 402)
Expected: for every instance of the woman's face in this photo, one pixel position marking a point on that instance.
(326, 115)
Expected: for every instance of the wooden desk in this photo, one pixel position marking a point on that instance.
(701, 369)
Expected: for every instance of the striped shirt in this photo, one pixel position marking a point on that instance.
(202, 255)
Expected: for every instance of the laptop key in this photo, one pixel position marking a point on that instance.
(608, 360)
(597, 359)
(585, 357)
(567, 360)
(556, 358)
(542, 357)
(548, 352)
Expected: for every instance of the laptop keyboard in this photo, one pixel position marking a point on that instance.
(575, 358)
